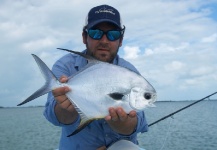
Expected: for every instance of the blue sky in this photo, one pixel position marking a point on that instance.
(172, 43)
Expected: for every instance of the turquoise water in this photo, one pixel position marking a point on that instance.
(192, 129)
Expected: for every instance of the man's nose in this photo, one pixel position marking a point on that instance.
(104, 39)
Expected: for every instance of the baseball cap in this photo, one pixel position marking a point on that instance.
(103, 13)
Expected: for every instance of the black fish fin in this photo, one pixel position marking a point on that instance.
(81, 127)
(116, 96)
(89, 58)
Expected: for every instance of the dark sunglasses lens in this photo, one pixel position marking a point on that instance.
(95, 34)
(113, 35)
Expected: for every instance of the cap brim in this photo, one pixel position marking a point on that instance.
(100, 21)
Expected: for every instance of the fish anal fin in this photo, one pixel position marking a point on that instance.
(116, 96)
(84, 120)
(81, 127)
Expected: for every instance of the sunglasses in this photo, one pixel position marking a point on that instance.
(111, 35)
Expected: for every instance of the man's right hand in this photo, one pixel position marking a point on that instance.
(64, 109)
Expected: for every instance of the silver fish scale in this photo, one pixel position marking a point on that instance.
(90, 88)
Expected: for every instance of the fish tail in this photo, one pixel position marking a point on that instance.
(49, 77)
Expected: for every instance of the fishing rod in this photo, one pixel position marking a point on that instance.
(167, 116)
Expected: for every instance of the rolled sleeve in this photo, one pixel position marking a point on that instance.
(142, 125)
(49, 110)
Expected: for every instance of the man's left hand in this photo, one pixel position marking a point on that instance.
(121, 122)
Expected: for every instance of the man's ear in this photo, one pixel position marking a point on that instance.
(84, 36)
(121, 40)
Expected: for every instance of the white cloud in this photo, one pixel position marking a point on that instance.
(165, 48)
(210, 39)
(39, 43)
(174, 66)
(131, 52)
(204, 70)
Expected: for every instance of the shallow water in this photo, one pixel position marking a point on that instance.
(193, 128)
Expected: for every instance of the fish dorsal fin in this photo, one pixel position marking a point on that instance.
(90, 59)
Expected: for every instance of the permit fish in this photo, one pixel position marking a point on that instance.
(124, 145)
(98, 86)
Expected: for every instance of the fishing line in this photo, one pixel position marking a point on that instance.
(175, 112)
(197, 109)
(167, 135)
(174, 123)
(171, 123)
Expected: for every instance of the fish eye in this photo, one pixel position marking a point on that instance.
(147, 96)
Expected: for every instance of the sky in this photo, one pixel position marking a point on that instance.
(173, 43)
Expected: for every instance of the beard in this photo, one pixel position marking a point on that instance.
(105, 56)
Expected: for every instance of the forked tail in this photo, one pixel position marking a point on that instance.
(49, 77)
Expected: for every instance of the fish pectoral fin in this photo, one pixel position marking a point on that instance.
(81, 127)
(116, 96)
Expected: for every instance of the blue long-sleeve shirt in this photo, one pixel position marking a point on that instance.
(98, 133)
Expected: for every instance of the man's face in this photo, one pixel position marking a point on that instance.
(102, 49)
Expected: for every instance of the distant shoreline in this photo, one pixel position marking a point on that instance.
(155, 102)
(22, 107)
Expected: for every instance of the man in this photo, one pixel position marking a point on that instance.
(102, 35)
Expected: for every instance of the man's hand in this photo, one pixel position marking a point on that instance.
(60, 96)
(64, 109)
(121, 122)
